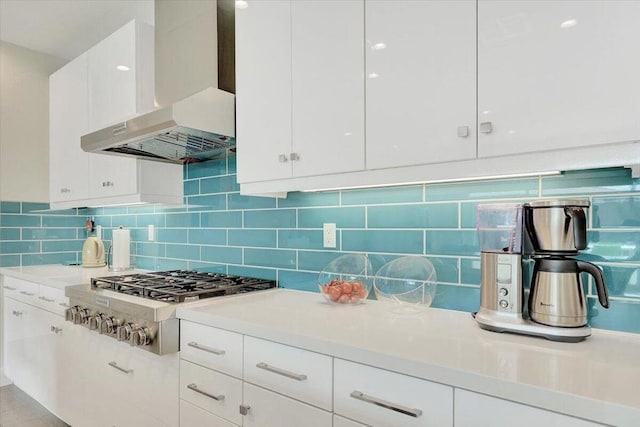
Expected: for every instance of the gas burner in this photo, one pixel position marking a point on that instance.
(180, 285)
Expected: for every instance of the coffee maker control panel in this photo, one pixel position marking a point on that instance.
(507, 283)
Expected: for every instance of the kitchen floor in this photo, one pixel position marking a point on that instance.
(18, 409)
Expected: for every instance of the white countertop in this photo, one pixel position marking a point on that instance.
(597, 379)
(59, 276)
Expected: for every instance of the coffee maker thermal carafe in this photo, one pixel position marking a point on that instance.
(545, 234)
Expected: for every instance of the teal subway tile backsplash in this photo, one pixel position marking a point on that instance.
(221, 230)
(400, 241)
(204, 236)
(405, 194)
(349, 217)
(270, 218)
(413, 216)
(259, 238)
(598, 181)
(300, 199)
(228, 219)
(616, 212)
(491, 189)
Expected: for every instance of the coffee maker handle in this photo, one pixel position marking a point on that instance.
(592, 269)
(579, 220)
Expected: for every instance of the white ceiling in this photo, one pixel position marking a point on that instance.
(66, 28)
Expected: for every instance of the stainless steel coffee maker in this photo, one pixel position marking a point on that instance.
(544, 235)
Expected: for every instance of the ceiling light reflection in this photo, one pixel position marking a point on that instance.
(122, 68)
(568, 23)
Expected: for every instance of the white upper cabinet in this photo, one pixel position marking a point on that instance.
(121, 73)
(421, 87)
(300, 89)
(89, 93)
(68, 120)
(263, 90)
(327, 86)
(557, 74)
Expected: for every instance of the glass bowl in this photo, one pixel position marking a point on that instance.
(409, 283)
(346, 279)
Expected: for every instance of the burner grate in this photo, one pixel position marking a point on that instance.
(181, 285)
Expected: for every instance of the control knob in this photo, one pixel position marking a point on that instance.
(140, 337)
(72, 313)
(109, 325)
(82, 317)
(95, 322)
(125, 332)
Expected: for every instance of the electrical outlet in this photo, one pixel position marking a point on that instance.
(329, 235)
(151, 233)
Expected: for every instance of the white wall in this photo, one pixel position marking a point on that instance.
(24, 123)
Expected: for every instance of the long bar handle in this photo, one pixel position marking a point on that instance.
(46, 299)
(115, 365)
(9, 287)
(194, 387)
(283, 372)
(29, 294)
(207, 349)
(412, 412)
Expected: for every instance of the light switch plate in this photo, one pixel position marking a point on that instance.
(151, 233)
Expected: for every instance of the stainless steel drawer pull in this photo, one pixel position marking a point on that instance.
(55, 329)
(115, 365)
(29, 294)
(207, 349)
(415, 413)
(284, 373)
(194, 387)
(64, 304)
(46, 299)
(10, 288)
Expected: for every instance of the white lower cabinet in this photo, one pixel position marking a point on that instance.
(384, 398)
(269, 409)
(479, 410)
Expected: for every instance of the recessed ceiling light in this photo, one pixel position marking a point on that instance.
(241, 4)
(374, 75)
(123, 68)
(379, 46)
(486, 112)
(569, 23)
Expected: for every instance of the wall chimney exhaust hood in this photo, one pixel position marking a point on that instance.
(194, 86)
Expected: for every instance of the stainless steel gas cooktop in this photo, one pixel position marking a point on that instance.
(180, 285)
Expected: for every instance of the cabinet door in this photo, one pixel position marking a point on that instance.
(14, 339)
(267, 409)
(421, 88)
(478, 410)
(68, 121)
(327, 86)
(263, 90)
(192, 416)
(338, 421)
(120, 75)
(112, 175)
(557, 74)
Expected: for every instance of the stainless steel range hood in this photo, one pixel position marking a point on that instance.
(194, 85)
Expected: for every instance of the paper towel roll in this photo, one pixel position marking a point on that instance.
(121, 246)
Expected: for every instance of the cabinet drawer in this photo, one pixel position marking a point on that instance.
(192, 416)
(52, 299)
(384, 398)
(20, 290)
(267, 409)
(301, 374)
(211, 347)
(473, 409)
(217, 393)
